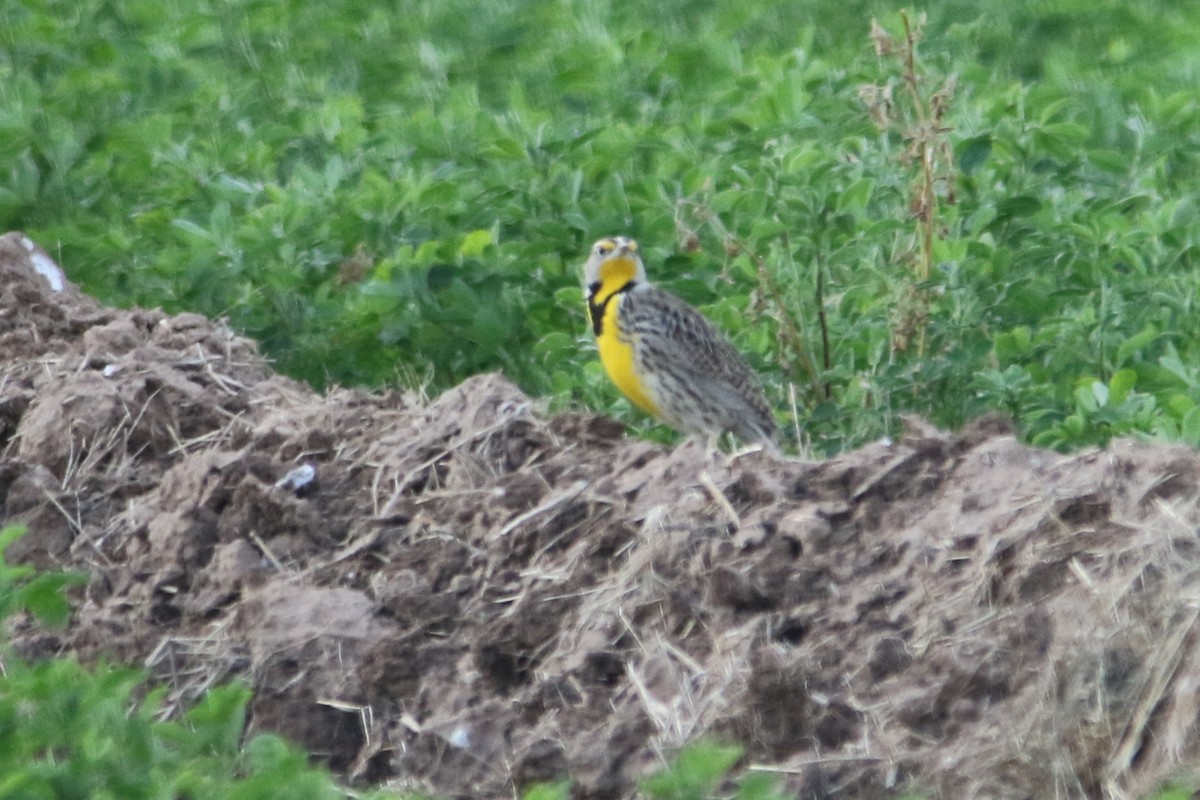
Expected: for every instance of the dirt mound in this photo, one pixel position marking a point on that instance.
(463, 595)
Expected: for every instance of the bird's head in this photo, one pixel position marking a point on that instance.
(612, 264)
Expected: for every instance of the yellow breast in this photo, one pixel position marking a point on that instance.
(616, 353)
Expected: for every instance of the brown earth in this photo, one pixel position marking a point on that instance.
(470, 596)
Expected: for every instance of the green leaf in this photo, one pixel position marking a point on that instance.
(1119, 386)
(1018, 206)
(1014, 344)
(1110, 161)
(1074, 425)
(553, 344)
(217, 721)
(1071, 133)
(187, 226)
(766, 230)
(43, 596)
(695, 772)
(10, 534)
(759, 786)
(974, 152)
(509, 148)
(268, 753)
(474, 243)
(1180, 404)
(856, 196)
(556, 790)
(1136, 343)
(1189, 427)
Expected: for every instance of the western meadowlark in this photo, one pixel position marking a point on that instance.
(665, 356)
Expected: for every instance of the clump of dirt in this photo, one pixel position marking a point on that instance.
(465, 596)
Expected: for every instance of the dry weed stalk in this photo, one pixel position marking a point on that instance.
(690, 215)
(919, 114)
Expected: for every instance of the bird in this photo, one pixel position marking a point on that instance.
(665, 356)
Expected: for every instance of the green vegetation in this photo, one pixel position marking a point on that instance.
(698, 772)
(404, 192)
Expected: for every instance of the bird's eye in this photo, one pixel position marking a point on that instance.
(604, 248)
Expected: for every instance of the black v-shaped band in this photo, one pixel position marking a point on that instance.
(596, 310)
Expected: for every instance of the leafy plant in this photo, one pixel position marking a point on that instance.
(699, 770)
(385, 195)
(23, 590)
(1175, 793)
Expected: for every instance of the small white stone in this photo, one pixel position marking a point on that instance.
(298, 478)
(45, 265)
(460, 737)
